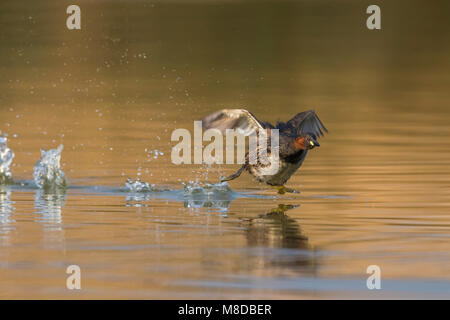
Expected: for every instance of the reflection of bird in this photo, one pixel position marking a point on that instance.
(275, 229)
(296, 137)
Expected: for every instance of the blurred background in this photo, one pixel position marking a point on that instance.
(139, 69)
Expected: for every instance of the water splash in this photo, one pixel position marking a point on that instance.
(139, 192)
(217, 195)
(193, 194)
(139, 186)
(6, 157)
(47, 171)
(216, 189)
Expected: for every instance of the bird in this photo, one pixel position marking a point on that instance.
(296, 137)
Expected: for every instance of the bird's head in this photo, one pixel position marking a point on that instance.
(306, 142)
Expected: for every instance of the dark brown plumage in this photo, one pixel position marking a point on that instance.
(296, 137)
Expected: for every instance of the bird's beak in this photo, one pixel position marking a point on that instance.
(314, 143)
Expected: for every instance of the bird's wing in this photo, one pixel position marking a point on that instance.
(239, 119)
(305, 122)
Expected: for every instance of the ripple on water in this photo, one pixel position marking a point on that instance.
(193, 194)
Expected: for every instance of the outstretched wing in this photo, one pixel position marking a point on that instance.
(240, 119)
(304, 122)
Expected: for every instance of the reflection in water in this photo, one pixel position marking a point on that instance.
(276, 230)
(199, 201)
(273, 231)
(48, 206)
(6, 209)
(137, 199)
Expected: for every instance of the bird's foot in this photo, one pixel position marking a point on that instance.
(233, 176)
(282, 208)
(283, 190)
